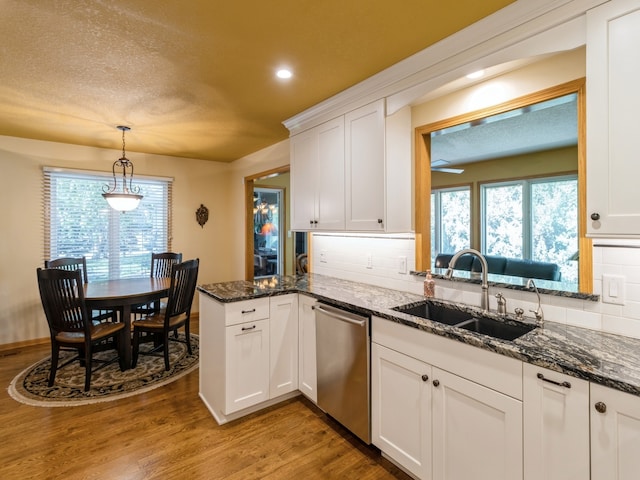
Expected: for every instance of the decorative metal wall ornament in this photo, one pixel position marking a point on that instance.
(202, 215)
(128, 197)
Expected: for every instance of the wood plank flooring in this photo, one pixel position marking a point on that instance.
(169, 434)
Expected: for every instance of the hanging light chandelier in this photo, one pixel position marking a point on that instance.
(127, 197)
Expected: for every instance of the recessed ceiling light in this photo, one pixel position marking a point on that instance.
(474, 75)
(284, 73)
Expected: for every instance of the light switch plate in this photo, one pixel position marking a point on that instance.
(613, 289)
(402, 264)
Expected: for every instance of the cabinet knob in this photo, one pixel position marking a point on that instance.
(310, 222)
(436, 383)
(380, 221)
(601, 407)
(425, 378)
(595, 216)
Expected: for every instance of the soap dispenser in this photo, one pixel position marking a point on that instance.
(429, 286)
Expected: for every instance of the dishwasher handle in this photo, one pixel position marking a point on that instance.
(360, 323)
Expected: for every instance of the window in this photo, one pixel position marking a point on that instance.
(451, 220)
(79, 222)
(533, 219)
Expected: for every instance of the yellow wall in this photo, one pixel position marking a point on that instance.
(21, 220)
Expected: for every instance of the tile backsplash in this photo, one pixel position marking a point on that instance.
(385, 260)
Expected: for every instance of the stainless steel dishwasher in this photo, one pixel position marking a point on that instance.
(343, 365)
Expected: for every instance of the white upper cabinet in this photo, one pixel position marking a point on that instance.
(317, 177)
(613, 103)
(353, 173)
(378, 169)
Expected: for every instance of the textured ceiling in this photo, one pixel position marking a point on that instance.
(195, 78)
(543, 126)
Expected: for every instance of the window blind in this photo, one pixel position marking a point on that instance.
(79, 222)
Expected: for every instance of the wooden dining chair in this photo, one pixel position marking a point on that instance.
(302, 265)
(80, 263)
(70, 325)
(161, 264)
(177, 313)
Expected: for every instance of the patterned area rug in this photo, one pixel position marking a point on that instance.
(109, 383)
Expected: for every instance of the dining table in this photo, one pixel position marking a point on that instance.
(121, 294)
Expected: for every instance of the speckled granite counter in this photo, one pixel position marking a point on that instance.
(606, 359)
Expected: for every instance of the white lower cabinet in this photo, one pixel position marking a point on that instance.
(615, 434)
(440, 424)
(401, 409)
(556, 425)
(248, 354)
(477, 432)
(247, 361)
(283, 344)
(307, 378)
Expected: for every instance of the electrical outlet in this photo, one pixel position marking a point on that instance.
(324, 256)
(613, 290)
(402, 264)
(369, 261)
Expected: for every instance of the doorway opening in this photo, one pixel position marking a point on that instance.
(268, 228)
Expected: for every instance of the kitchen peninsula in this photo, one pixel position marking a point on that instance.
(600, 370)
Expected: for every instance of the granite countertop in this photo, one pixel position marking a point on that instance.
(603, 358)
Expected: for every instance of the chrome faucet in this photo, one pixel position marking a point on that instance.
(538, 311)
(484, 301)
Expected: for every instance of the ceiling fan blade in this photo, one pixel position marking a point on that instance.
(448, 170)
(439, 163)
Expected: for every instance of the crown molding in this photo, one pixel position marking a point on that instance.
(523, 28)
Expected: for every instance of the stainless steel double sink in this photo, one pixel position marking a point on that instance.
(504, 330)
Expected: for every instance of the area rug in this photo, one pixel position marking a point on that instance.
(109, 383)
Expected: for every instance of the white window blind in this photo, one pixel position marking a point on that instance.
(79, 222)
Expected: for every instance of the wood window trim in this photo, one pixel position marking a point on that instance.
(422, 168)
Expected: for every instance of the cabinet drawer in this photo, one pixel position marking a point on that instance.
(247, 311)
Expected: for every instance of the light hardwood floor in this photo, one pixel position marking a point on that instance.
(169, 434)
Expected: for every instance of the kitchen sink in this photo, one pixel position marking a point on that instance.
(495, 328)
(435, 312)
(457, 318)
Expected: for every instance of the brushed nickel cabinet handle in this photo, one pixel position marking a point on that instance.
(564, 384)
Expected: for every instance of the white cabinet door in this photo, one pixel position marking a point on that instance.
(556, 425)
(247, 365)
(283, 344)
(401, 409)
(330, 175)
(317, 177)
(365, 167)
(304, 160)
(477, 432)
(613, 103)
(307, 377)
(615, 434)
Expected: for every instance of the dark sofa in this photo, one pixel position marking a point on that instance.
(515, 267)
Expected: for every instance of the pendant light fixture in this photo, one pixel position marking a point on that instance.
(127, 197)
